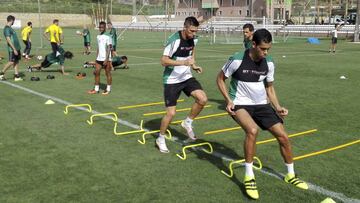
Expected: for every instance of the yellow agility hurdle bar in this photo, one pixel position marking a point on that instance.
(143, 141)
(239, 162)
(195, 145)
(326, 150)
(164, 112)
(91, 120)
(77, 105)
(129, 132)
(203, 117)
(221, 130)
(292, 135)
(146, 104)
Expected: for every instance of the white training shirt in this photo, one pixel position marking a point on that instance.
(103, 41)
(334, 33)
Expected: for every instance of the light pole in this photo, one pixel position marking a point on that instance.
(356, 34)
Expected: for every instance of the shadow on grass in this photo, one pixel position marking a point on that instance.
(218, 148)
(221, 103)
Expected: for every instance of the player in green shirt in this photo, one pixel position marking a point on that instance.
(13, 49)
(248, 31)
(87, 39)
(51, 59)
(113, 36)
(116, 61)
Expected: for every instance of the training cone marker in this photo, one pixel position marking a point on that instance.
(49, 102)
(343, 77)
(328, 200)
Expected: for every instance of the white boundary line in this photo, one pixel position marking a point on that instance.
(312, 186)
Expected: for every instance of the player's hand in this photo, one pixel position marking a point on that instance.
(282, 112)
(196, 68)
(189, 62)
(230, 108)
(64, 73)
(16, 53)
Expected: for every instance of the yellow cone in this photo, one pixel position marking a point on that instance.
(328, 200)
(49, 102)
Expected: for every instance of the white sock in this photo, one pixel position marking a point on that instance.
(249, 169)
(97, 87)
(161, 136)
(290, 168)
(188, 120)
(108, 88)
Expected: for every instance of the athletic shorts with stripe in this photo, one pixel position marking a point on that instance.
(172, 91)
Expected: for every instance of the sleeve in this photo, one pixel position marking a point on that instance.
(231, 66)
(60, 30)
(270, 75)
(47, 30)
(110, 42)
(61, 59)
(7, 32)
(170, 49)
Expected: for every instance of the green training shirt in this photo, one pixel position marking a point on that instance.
(9, 32)
(51, 58)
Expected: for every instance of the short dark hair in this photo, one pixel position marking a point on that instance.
(124, 58)
(102, 23)
(191, 21)
(10, 18)
(29, 23)
(249, 26)
(109, 23)
(68, 55)
(55, 21)
(262, 35)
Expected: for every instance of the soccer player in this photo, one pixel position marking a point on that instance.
(13, 49)
(103, 60)
(51, 59)
(334, 34)
(116, 61)
(113, 36)
(178, 59)
(248, 31)
(253, 103)
(25, 33)
(86, 35)
(54, 34)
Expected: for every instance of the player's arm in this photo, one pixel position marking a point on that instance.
(220, 81)
(46, 34)
(61, 36)
(8, 40)
(167, 61)
(28, 37)
(270, 91)
(63, 70)
(196, 68)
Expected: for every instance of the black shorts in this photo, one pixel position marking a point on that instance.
(172, 91)
(101, 63)
(14, 58)
(86, 44)
(263, 115)
(334, 40)
(54, 47)
(45, 63)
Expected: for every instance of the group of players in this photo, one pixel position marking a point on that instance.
(55, 36)
(251, 99)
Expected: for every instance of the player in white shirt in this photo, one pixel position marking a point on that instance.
(103, 60)
(334, 34)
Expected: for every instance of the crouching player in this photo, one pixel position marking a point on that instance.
(116, 61)
(51, 59)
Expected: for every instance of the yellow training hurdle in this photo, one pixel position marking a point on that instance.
(129, 132)
(203, 117)
(164, 112)
(77, 105)
(221, 130)
(292, 135)
(146, 104)
(143, 141)
(91, 120)
(239, 162)
(195, 145)
(326, 150)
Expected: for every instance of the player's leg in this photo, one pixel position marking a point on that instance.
(16, 67)
(97, 71)
(194, 89)
(25, 49)
(244, 119)
(108, 68)
(285, 149)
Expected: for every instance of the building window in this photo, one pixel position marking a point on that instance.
(232, 2)
(220, 13)
(192, 3)
(247, 13)
(206, 13)
(221, 2)
(239, 12)
(247, 2)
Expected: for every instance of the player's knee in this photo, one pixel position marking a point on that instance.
(171, 113)
(252, 132)
(202, 100)
(283, 139)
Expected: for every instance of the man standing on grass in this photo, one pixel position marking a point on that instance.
(86, 35)
(13, 49)
(248, 31)
(251, 90)
(103, 60)
(55, 35)
(178, 59)
(113, 35)
(26, 33)
(334, 34)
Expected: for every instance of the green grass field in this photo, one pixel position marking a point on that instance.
(47, 156)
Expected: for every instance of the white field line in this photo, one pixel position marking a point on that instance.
(312, 186)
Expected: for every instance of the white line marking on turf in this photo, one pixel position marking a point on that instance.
(312, 186)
